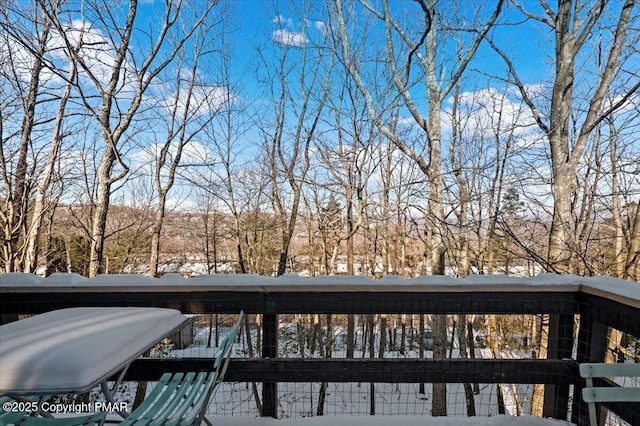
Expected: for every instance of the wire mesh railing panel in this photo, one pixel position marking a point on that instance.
(299, 400)
(414, 336)
(513, 337)
(236, 399)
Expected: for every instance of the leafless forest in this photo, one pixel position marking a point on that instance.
(384, 137)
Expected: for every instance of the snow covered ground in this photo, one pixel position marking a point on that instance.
(300, 400)
(387, 420)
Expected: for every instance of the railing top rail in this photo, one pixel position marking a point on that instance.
(617, 290)
(239, 282)
(625, 292)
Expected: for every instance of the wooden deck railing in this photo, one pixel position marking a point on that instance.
(584, 307)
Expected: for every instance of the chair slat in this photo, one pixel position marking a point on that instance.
(176, 399)
(182, 399)
(611, 395)
(198, 396)
(145, 413)
(609, 370)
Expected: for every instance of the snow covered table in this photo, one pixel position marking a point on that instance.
(72, 350)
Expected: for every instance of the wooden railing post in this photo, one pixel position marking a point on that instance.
(270, 350)
(556, 397)
(592, 347)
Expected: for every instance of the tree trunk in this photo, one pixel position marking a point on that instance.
(492, 336)
(619, 260)
(403, 334)
(251, 352)
(156, 231)
(327, 354)
(351, 329)
(351, 323)
(383, 336)
(471, 346)
(372, 354)
(17, 201)
(421, 348)
(462, 342)
(632, 267)
(31, 259)
(435, 209)
(537, 400)
(99, 223)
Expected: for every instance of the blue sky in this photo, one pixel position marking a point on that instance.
(265, 24)
(270, 24)
(259, 23)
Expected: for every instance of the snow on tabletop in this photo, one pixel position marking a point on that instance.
(387, 420)
(69, 349)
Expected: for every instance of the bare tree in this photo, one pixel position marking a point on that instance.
(464, 190)
(115, 70)
(14, 157)
(192, 107)
(298, 88)
(572, 24)
(632, 268)
(623, 181)
(400, 63)
(345, 160)
(44, 183)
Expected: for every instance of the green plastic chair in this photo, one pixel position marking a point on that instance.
(182, 398)
(591, 394)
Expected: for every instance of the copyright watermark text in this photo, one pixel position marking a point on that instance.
(63, 408)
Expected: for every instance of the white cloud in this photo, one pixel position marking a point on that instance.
(532, 140)
(196, 159)
(281, 20)
(203, 100)
(534, 91)
(197, 153)
(194, 153)
(406, 121)
(321, 26)
(289, 38)
(284, 35)
(18, 61)
(96, 51)
(487, 111)
(632, 103)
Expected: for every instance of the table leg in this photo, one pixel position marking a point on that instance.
(109, 394)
